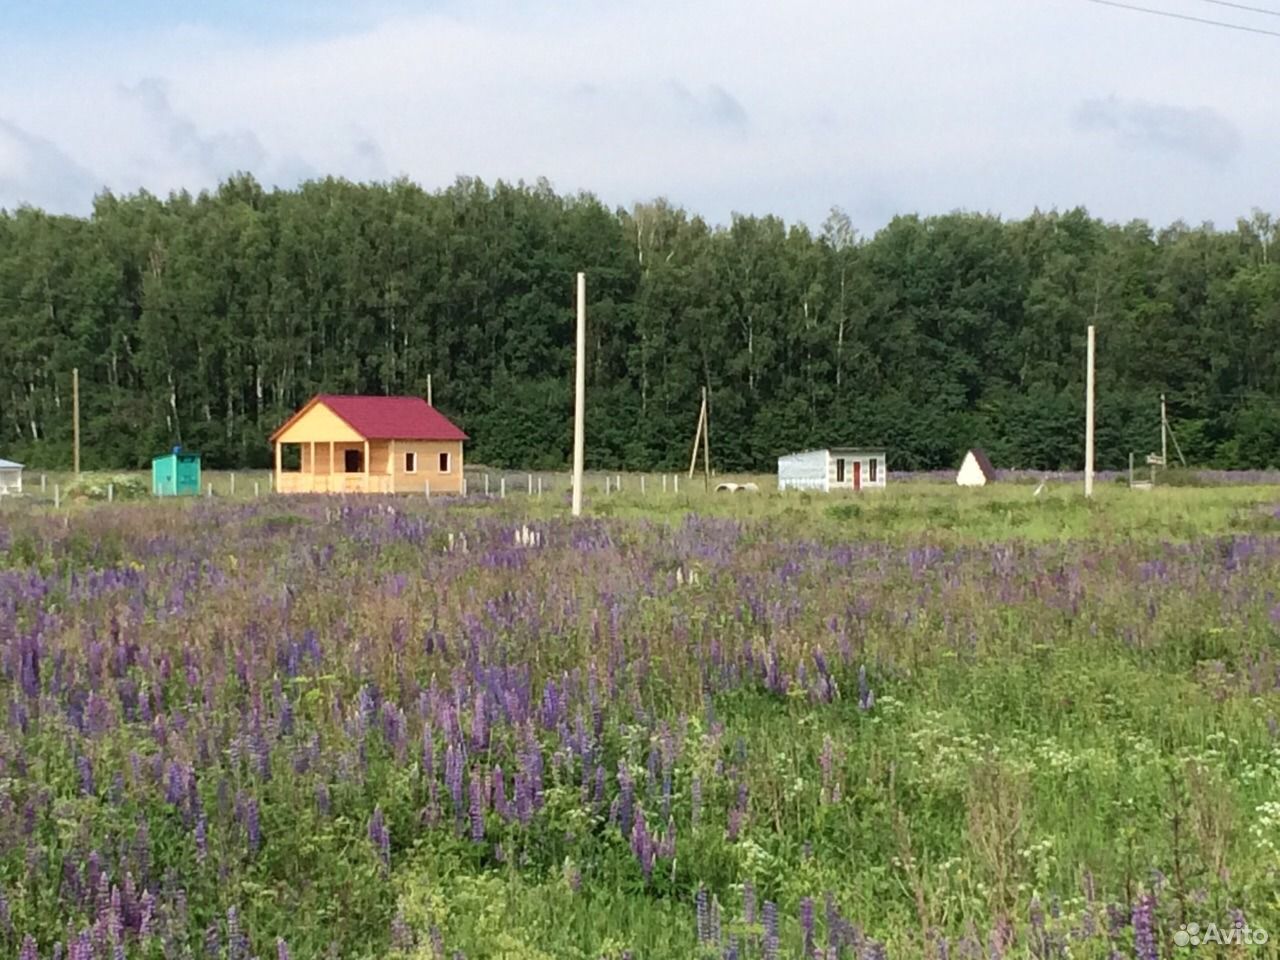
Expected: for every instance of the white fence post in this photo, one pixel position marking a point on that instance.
(486, 484)
(209, 489)
(111, 492)
(531, 484)
(233, 484)
(642, 484)
(426, 489)
(255, 489)
(42, 483)
(539, 487)
(664, 483)
(675, 482)
(502, 487)
(57, 496)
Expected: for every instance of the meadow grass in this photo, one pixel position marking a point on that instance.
(922, 723)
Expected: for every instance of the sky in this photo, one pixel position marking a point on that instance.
(880, 107)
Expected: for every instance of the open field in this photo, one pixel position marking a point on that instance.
(928, 723)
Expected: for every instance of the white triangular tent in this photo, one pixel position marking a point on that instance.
(976, 470)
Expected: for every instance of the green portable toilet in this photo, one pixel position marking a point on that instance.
(175, 474)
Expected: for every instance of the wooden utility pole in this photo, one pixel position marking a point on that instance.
(1164, 433)
(580, 396)
(429, 403)
(706, 440)
(75, 420)
(697, 438)
(1088, 418)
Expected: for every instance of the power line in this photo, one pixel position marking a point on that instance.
(1185, 16)
(1265, 11)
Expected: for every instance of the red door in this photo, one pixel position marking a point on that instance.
(857, 475)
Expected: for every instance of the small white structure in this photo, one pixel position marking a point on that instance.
(976, 470)
(836, 468)
(10, 477)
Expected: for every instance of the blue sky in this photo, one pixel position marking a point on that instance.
(877, 106)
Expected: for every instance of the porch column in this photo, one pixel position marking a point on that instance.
(366, 466)
(329, 484)
(278, 466)
(391, 465)
(313, 466)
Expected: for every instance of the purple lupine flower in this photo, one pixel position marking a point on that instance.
(6, 923)
(252, 827)
(1039, 937)
(770, 918)
(748, 902)
(874, 950)
(702, 904)
(475, 789)
(29, 950)
(282, 949)
(401, 935)
(480, 724)
(866, 696)
(626, 801)
(500, 805)
(379, 836)
(237, 942)
(322, 798)
(1144, 929)
(695, 800)
(453, 778)
(1000, 939)
(642, 845)
(84, 767)
(806, 925)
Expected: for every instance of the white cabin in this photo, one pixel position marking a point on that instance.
(976, 470)
(836, 468)
(10, 477)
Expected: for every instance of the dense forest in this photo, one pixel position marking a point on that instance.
(204, 320)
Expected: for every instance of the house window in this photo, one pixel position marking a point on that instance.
(444, 463)
(871, 471)
(840, 471)
(353, 461)
(411, 462)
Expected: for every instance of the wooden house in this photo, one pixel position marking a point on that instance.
(369, 445)
(10, 477)
(836, 468)
(976, 470)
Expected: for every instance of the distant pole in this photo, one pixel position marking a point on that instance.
(255, 489)
(426, 489)
(642, 484)
(486, 484)
(675, 479)
(697, 436)
(531, 484)
(580, 396)
(1088, 418)
(1164, 433)
(429, 403)
(706, 439)
(539, 487)
(233, 484)
(111, 492)
(664, 483)
(1131, 468)
(75, 420)
(42, 480)
(57, 495)
(617, 484)
(502, 487)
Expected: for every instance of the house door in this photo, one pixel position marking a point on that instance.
(857, 474)
(839, 470)
(351, 461)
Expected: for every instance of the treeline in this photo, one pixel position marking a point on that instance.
(204, 320)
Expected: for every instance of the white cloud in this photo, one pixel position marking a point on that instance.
(916, 105)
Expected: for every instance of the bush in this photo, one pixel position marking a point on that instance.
(95, 486)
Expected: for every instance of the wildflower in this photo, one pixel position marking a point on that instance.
(379, 836)
(806, 925)
(770, 930)
(29, 950)
(282, 949)
(85, 770)
(866, 696)
(475, 789)
(1144, 938)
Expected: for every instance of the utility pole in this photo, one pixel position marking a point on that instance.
(1088, 418)
(75, 420)
(697, 436)
(706, 440)
(1164, 433)
(579, 397)
(429, 403)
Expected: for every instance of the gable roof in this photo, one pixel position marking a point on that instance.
(984, 463)
(384, 418)
(9, 465)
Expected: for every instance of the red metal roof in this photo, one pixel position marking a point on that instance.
(385, 418)
(392, 418)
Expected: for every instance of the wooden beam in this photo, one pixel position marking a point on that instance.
(391, 465)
